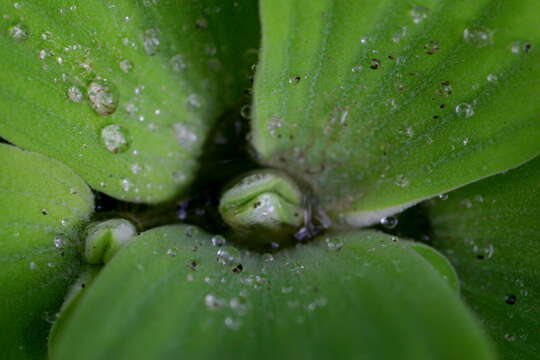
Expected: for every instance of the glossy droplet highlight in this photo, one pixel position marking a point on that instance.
(115, 138)
(75, 94)
(151, 41)
(464, 110)
(18, 32)
(218, 240)
(103, 96)
(185, 135)
(126, 65)
(478, 36)
(334, 244)
(419, 14)
(389, 222)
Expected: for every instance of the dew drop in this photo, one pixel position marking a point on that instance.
(126, 65)
(151, 41)
(389, 222)
(178, 63)
(135, 168)
(478, 36)
(33, 266)
(402, 181)
(232, 323)
(212, 302)
(294, 80)
(194, 101)
(268, 258)
(75, 94)
(464, 110)
(334, 244)
(229, 256)
(419, 14)
(357, 68)
(126, 185)
(58, 242)
(492, 78)
(18, 32)
(185, 135)
(191, 231)
(443, 196)
(245, 111)
(115, 138)
(218, 240)
(103, 96)
(171, 252)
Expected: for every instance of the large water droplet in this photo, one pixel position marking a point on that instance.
(212, 302)
(228, 256)
(103, 96)
(464, 110)
(115, 138)
(478, 36)
(218, 240)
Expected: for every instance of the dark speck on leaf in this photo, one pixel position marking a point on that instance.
(238, 268)
(511, 299)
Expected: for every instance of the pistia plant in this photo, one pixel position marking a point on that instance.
(270, 179)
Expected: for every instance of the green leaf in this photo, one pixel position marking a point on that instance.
(42, 209)
(490, 231)
(381, 104)
(124, 92)
(357, 295)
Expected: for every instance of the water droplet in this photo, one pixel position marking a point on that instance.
(135, 168)
(419, 14)
(294, 80)
(239, 305)
(492, 78)
(212, 302)
(179, 177)
(287, 289)
(194, 101)
(171, 252)
(464, 110)
(478, 36)
(58, 242)
(126, 65)
(334, 244)
(151, 41)
(103, 96)
(443, 196)
(357, 68)
(191, 231)
(178, 63)
(33, 266)
(218, 240)
(18, 32)
(75, 94)
(389, 222)
(42, 54)
(115, 138)
(399, 35)
(519, 46)
(229, 256)
(126, 184)
(267, 257)
(402, 181)
(185, 134)
(245, 111)
(364, 40)
(233, 324)
(274, 124)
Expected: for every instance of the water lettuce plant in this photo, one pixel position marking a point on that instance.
(297, 179)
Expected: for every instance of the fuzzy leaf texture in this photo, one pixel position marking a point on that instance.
(123, 92)
(381, 104)
(171, 294)
(42, 210)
